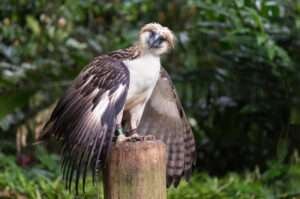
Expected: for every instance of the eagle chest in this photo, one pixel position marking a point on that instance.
(144, 73)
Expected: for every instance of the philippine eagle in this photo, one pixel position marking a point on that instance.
(127, 87)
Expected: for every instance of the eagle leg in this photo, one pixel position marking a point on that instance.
(121, 136)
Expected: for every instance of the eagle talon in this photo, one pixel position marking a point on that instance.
(149, 137)
(135, 137)
(121, 138)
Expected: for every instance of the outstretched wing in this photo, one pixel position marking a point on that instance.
(85, 117)
(164, 118)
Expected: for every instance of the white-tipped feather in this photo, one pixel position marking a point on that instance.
(121, 88)
(102, 106)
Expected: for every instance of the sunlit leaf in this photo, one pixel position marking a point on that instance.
(33, 24)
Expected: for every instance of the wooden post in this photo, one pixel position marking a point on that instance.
(136, 170)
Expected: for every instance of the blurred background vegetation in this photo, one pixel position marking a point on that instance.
(236, 68)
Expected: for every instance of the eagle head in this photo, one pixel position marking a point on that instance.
(156, 39)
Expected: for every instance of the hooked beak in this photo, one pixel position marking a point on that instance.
(155, 40)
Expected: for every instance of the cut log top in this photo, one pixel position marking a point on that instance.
(136, 170)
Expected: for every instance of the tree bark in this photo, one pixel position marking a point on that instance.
(136, 170)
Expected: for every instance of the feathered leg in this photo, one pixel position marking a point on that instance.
(136, 114)
(121, 136)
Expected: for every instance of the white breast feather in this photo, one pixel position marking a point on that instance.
(144, 73)
(100, 108)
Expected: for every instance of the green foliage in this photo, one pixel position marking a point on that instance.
(231, 186)
(243, 186)
(241, 79)
(34, 182)
(43, 180)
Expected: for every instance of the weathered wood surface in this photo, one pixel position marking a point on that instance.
(136, 170)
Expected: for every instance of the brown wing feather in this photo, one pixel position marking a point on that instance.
(164, 118)
(84, 119)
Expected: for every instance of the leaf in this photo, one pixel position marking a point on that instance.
(240, 3)
(295, 116)
(271, 50)
(33, 24)
(282, 149)
(10, 102)
(75, 44)
(261, 39)
(257, 19)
